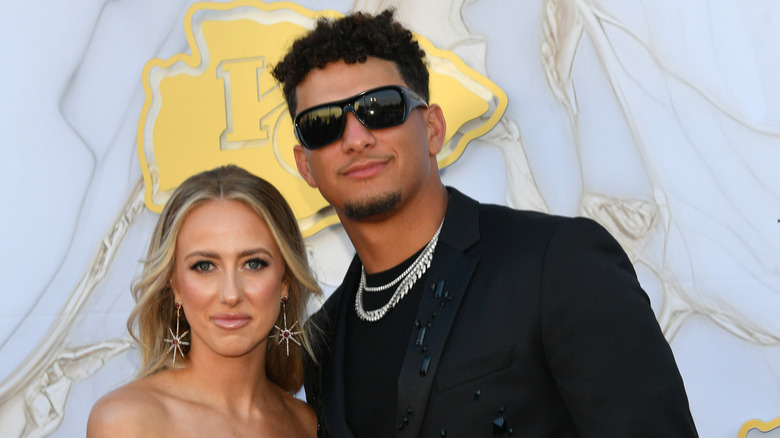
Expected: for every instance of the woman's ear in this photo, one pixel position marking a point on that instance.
(175, 289)
(285, 288)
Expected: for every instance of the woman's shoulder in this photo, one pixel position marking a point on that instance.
(303, 412)
(302, 415)
(135, 409)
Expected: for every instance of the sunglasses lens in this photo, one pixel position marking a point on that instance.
(376, 109)
(320, 126)
(381, 109)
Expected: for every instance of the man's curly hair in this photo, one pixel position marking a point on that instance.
(353, 38)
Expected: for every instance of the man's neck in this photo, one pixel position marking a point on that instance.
(386, 242)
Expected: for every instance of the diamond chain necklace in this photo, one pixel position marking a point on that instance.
(406, 280)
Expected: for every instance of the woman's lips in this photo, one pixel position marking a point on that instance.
(230, 322)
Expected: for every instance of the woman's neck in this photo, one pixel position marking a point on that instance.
(238, 384)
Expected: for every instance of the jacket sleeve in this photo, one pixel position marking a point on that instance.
(312, 377)
(613, 366)
(320, 329)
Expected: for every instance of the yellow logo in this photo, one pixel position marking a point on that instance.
(220, 104)
(763, 426)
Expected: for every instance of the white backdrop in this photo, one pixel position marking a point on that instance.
(658, 118)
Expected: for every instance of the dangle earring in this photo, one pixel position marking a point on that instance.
(286, 334)
(175, 339)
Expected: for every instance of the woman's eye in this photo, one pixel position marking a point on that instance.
(201, 266)
(255, 264)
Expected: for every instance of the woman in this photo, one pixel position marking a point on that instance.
(219, 312)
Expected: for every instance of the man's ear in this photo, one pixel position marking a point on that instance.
(437, 128)
(302, 162)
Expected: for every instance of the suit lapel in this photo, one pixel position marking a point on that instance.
(446, 284)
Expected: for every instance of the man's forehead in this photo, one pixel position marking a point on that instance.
(339, 80)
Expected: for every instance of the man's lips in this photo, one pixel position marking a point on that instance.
(230, 321)
(365, 169)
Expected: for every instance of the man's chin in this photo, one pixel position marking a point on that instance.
(372, 207)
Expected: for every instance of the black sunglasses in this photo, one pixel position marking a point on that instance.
(378, 108)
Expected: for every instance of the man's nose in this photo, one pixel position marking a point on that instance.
(356, 136)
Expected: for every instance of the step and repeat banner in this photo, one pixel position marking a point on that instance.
(658, 119)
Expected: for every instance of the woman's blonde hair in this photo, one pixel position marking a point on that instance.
(154, 311)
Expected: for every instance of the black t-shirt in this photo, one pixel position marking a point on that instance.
(374, 355)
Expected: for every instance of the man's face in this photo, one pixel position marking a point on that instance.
(366, 173)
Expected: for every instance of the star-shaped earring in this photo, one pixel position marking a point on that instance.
(286, 334)
(175, 339)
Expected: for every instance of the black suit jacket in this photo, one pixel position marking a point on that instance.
(530, 325)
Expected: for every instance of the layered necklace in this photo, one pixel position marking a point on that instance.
(405, 281)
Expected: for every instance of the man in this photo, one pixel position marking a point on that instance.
(455, 318)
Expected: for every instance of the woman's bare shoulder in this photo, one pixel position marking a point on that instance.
(134, 410)
(303, 411)
(303, 416)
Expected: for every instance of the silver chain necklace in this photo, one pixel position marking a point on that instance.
(406, 280)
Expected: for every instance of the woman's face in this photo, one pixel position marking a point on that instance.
(228, 277)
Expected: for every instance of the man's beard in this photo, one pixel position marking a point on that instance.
(369, 208)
